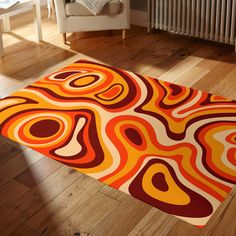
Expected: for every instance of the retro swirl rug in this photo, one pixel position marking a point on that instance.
(170, 146)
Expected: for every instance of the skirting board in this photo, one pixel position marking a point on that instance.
(138, 18)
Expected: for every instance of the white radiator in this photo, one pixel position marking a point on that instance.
(208, 19)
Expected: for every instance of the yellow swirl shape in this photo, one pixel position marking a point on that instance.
(173, 195)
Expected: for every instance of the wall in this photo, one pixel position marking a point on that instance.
(138, 12)
(140, 5)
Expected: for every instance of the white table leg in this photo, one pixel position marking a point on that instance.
(1, 43)
(37, 20)
(6, 23)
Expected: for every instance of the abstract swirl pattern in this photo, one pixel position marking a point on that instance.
(170, 146)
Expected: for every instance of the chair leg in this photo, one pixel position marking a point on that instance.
(64, 37)
(123, 34)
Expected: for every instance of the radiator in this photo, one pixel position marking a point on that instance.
(208, 19)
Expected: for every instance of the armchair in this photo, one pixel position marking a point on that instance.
(72, 17)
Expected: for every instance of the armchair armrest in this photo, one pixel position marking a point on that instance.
(126, 11)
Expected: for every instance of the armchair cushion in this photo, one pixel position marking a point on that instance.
(76, 9)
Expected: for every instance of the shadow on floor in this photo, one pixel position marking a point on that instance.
(34, 57)
(20, 198)
(28, 183)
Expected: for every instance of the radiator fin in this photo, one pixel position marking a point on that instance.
(208, 19)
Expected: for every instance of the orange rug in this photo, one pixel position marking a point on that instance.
(170, 146)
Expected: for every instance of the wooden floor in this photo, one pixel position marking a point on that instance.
(39, 196)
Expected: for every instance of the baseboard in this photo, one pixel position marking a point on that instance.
(138, 18)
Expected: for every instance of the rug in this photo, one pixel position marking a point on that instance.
(167, 145)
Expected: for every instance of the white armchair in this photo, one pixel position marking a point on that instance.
(72, 17)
